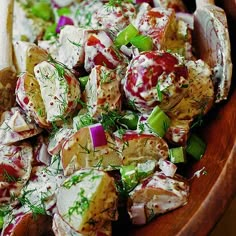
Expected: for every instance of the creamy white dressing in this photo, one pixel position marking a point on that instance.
(199, 173)
(71, 46)
(43, 188)
(160, 181)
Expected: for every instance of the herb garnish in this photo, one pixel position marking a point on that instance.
(80, 205)
(76, 179)
(35, 208)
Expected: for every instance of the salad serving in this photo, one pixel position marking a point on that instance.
(107, 97)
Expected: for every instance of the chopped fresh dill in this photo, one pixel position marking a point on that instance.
(75, 179)
(80, 205)
(85, 148)
(114, 3)
(74, 43)
(159, 92)
(35, 208)
(10, 178)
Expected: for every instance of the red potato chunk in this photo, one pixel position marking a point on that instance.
(200, 93)
(70, 51)
(167, 31)
(158, 194)
(17, 127)
(102, 91)
(178, 132)
(15, 169)
(27, 55)
(117, 17)
(155, 22)
(99, 50)
(87, 10)
(59, 88)
(22, 221)
(28, 96)
(41, 188)
(177, 5)
(78, 152)
(61, 228)
(56, 142)
(155, 78)
(7, 90)
(135, 148)
(87, 196)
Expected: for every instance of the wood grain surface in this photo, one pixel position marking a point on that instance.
(212, 193)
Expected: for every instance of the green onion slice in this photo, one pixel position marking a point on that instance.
(64, 11)
(177, 155)
(125, 35)
(195, 147)
(1, 221)
(129, 120)
(42, 10)
(145, 169)
(158, 121)
(83, 81)
(129, 177)
(50, 32)
(142, 42)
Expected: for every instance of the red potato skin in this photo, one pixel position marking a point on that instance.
(155, 22)
(160, 194)
(15, 168)
(143, 75)
(26, 102)
(104, 54)
(8, 137)
(28, 225)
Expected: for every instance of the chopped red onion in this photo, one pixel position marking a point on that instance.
(43, 155)
(97, 135)
(138, 215)
(63, 20)
(167, 167)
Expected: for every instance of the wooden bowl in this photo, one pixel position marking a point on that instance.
(210, 193)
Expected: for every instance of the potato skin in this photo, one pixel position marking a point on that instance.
(28, 96)
(78, 152)
(159, 194)
(27, 224)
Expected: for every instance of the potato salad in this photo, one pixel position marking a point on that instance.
(107, 99)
